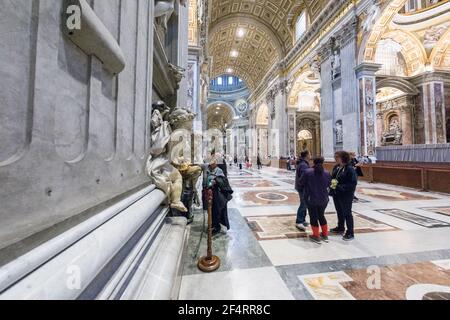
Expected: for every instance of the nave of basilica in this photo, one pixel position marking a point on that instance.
(153, 149)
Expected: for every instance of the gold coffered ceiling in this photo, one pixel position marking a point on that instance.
(267, 34)
(256, 52)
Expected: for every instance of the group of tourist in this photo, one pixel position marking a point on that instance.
(315, 186)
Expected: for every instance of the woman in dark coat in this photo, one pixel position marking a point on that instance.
(222, 194)
(343, 187)
(315, 183)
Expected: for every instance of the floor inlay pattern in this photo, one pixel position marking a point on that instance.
(268, 198)
(289, 181)
(440, 210)
(419, 281)
(414, 218)
(283, 226)
(253, 183)
(392, 195)
(400, 236)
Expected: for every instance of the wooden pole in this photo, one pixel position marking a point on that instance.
(210, 262)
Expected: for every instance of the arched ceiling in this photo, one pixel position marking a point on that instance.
(219, 115)
(256, 51)
(271, 13)
(267, 35)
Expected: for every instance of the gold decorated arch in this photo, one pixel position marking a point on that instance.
(413, 49)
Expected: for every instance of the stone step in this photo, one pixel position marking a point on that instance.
(87, 259)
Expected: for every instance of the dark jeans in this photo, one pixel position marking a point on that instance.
(302, 209)
(343, 207)
(317, 215)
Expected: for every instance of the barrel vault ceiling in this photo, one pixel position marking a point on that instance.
(247, 37)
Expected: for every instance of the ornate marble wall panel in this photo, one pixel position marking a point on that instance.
(18, 40)
(433, 105)
(73, 114)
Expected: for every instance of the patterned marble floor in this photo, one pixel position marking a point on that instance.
(401, 250)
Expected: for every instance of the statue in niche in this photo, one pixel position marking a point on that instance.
(164, 10)
(394, 134)
(317, 102)
(336, 64)
(315, 67)
(159, 168)
(339, 131)
(372, 16)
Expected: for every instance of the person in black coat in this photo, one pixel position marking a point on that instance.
(258, 162)
(222, 194)
(357, 166)
(302, 166)
(343, 187)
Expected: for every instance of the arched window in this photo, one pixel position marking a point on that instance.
(300, 25)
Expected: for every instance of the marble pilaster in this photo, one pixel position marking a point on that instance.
(434, 113)
(365, 73)
(349, 109)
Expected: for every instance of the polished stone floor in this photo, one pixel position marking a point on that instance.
(401, 250)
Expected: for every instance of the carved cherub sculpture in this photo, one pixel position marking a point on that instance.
(160, 170)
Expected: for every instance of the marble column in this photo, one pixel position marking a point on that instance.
(365, 73)
(433, 108)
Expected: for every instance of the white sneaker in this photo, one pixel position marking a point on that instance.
(300, 226)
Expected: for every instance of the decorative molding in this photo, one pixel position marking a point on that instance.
(348, 32)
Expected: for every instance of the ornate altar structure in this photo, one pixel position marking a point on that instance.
(395, 121)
